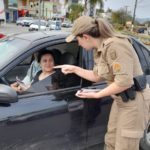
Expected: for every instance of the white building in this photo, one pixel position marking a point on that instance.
(2, 11)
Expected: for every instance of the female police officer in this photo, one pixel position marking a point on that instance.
(117, 63)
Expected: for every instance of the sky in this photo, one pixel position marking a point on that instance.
(142, 11)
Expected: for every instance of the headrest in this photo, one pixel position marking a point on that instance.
(57, 56)
(67, 58)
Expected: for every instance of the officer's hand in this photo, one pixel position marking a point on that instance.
(83, 94)
(66, 69)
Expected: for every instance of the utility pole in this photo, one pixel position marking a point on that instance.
(135, 6)
(39, 14)
(126, 13)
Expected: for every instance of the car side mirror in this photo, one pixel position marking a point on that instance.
(7, 94)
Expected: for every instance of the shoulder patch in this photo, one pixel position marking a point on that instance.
(117, 67)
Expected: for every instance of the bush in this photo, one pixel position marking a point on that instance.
(118, 27)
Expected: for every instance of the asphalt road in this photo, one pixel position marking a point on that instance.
(12, 28)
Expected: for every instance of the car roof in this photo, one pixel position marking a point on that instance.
(37, 35)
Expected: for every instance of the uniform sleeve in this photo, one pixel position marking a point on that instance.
(120, 59)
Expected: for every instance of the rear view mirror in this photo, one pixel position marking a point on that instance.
(7, 94)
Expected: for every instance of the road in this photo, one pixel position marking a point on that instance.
(12, 28)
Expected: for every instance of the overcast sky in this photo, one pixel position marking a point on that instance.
(142, 11)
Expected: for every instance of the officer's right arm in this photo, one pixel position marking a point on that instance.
(86, 74)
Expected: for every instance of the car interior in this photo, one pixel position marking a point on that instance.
(63, 54)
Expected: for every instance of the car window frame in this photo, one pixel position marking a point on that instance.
(145, 64)
(34, 50)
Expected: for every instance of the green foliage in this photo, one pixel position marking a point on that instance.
(109, 10)
(75, 10)
(147, 22)
(118, 27)
(94, 2)
(120, 16)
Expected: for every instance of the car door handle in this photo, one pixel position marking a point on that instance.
(75, 105)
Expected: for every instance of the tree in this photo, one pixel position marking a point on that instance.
(75, 10)
(147, 22)
(92, 2)
(120, 16)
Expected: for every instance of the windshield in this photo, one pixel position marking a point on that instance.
(10, 48)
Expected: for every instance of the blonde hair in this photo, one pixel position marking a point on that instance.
(103, 29)
(106, 29)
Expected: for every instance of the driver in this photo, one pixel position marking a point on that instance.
(46, 61)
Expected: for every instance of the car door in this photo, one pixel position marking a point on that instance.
(34, 122)
(44, 120)
(97, 110)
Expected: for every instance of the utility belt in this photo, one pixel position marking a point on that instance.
(139, 85)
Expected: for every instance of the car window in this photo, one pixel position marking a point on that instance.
(146, 53)
(27, 61)
(10, 48)
(88, 61)
(144, 56)
(64, 53)
(19, 71)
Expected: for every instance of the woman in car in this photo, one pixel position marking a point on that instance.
(46, 61)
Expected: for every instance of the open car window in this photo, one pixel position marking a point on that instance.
(64, 53)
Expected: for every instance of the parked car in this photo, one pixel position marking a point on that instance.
(54, 24)
(24, 21)
(66, 24)
(54, 118)
(35, 26)
(27, 21)
(20, 21)
(141, 30)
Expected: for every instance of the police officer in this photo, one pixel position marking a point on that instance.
(116, 62)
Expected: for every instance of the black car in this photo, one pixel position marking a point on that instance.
(141, 30)
(145, 141)
(52, 119)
